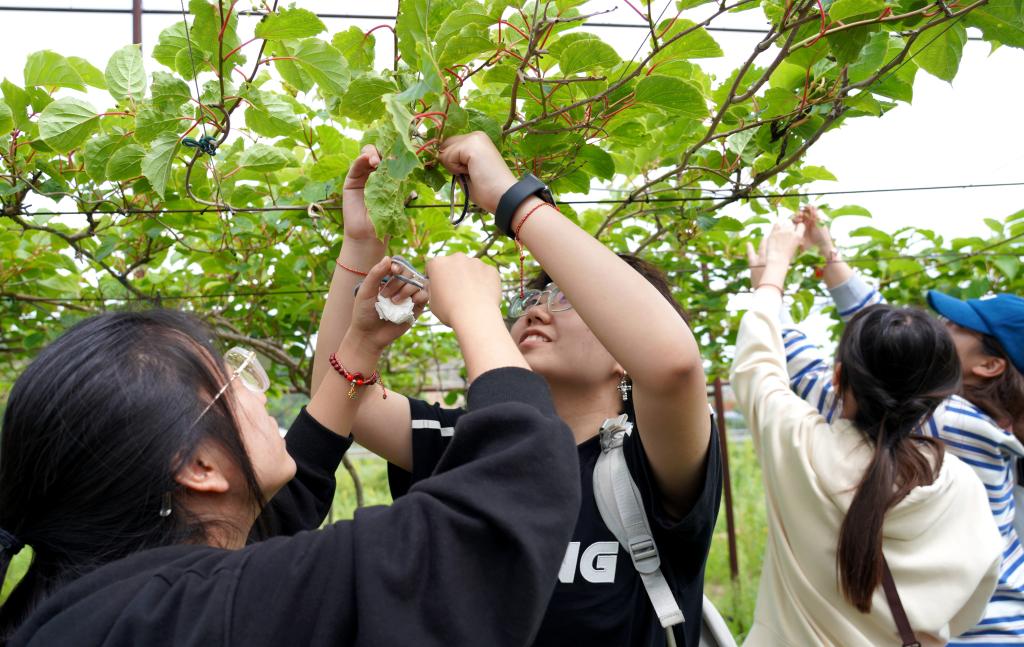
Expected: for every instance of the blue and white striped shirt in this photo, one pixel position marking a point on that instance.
(966, 431)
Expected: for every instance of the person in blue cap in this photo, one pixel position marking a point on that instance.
(983, 425)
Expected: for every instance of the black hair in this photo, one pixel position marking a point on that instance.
(94, 431)
(898, 365)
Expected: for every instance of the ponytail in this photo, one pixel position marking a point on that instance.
(898, 365)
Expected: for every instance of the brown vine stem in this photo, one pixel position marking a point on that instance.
(625, 78)
(842, 92)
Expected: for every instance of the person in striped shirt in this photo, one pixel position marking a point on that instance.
(981, 428)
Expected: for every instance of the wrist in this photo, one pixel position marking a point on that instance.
(476, 317)
(359, 351)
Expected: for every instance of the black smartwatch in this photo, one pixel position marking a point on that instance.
(517, 193)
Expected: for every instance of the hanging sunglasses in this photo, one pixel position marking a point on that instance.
(459, 182)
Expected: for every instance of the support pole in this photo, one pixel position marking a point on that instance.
(730, 524)
(137, 22)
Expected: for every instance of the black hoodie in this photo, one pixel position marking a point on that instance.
(468, 557)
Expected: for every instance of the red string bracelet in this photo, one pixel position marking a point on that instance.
(356, 379)
(519, 246)
(345, 267)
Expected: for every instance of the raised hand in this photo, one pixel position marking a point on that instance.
(816, 233)
(366, 323)
(356, 218)
(475, 156)
(462, 288)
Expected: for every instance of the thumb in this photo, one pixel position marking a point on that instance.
(371, 284)
(751, 255)
(800, 228)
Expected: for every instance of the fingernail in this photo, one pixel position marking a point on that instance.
(395, 268)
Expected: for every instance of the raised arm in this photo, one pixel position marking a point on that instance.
(382, 426)
(633, 321)
(758, 376)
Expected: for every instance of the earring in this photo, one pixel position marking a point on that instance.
(165, 505)
(625, 386)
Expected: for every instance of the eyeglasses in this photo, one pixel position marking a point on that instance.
(243, 365)
(556, 301)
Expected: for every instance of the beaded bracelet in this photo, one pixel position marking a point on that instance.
(356, 379)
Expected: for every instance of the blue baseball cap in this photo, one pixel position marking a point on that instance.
(1000, 316)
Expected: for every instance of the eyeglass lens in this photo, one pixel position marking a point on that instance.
(248, 368)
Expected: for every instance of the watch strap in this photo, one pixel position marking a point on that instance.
(516, 194)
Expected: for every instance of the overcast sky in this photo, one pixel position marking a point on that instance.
(966, 132)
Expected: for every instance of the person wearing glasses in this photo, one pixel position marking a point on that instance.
(983, 424)
(135, 461)
(607, 337)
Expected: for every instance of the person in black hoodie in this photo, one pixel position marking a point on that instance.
(135, 465)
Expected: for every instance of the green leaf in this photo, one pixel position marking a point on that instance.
(264, 159)
(66, 123)
(50, 69)
(157, 163)
(672, 95)
(384, 201)
(411, 28)
(938, 50)
(126, 163)
(402, 153)
(845, 9)
(356, 47)
(697, 43)
(363, 102)
(151, 123)
(97, 152)
(171, 43)
(6, 118)
(464, 46)
(1008, 265)
(90, 73)
(271, 116)
(126, 76)
(168, 91)
(288, 24)
(324, 64)
(596, 161)
(1000, 21)
(589, 54)
(329, 167)
(817, 173)
(849, 210)
(458, 21)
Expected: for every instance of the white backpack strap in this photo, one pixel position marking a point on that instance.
(622, 510)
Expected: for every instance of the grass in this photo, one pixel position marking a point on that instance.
(734, 599)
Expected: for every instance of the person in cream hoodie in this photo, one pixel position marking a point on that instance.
(865, 499)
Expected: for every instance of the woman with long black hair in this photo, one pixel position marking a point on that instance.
(135, 461)
(876, 534)
(983, 424)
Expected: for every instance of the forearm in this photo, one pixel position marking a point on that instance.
(331, 405)
(608, 294)
(485, 343)
(356, 254)
(836, 270)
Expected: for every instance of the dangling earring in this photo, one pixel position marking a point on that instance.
(625, 386)
(165, 505)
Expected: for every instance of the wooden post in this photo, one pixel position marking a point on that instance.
(730, 524)
(137, 22)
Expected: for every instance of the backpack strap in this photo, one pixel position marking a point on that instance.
(622, 510)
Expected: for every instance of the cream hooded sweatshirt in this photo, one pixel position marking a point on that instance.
(940, 541)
